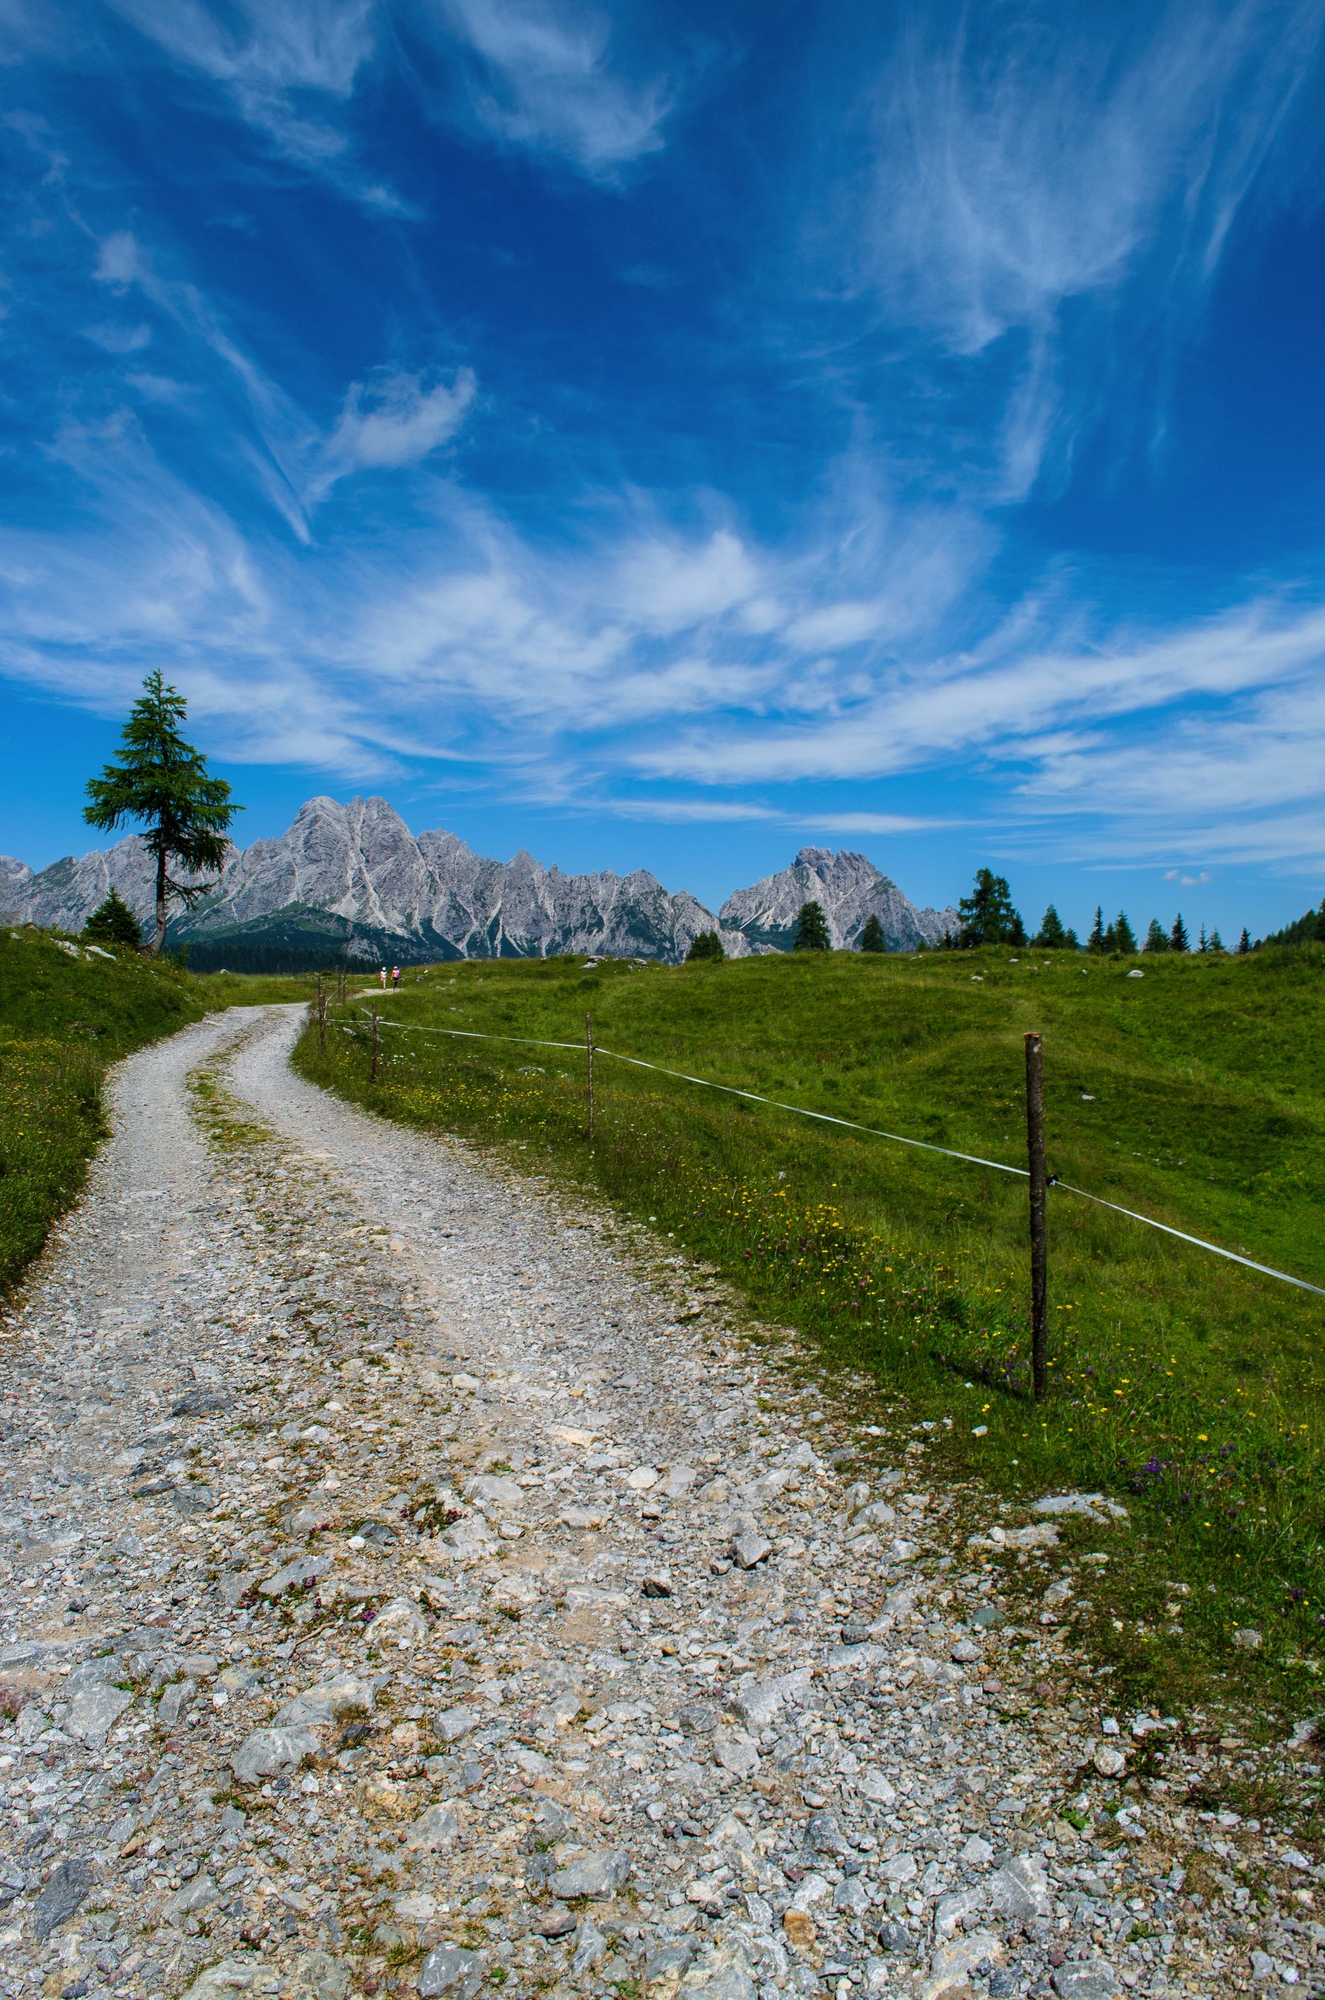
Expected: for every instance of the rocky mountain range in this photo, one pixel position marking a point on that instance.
(849, 890)
(351, 881)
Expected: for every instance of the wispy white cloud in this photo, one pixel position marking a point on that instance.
(866, 822)
(540, 76)
(386, 423)
(1019, 171)
(289, 67)
(465, 643)
(118, 339)
(1022, 167)
(392, 421)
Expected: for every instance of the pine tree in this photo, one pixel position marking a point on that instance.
(872, 937)
(1244, 943)
(113, 922)
(1111, 941)
(1124, 934)
(705, 945)
(1216, 942)
(1051, 935)
(811, 930)
(1178, 935)
(1095, 942)
(1156, 937)
(1202, 941)
(988, 916)
(1071, 940)
(164, 781)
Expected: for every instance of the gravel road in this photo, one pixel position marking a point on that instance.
(413, 1582)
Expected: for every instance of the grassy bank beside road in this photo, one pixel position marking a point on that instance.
(1187, 1386)
(65, 1016)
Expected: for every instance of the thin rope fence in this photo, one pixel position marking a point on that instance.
(850, 1125)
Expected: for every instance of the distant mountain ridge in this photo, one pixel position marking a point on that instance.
(849, 889)
(353, 881)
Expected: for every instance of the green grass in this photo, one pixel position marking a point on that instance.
(63, 1020)
(1182, 1383)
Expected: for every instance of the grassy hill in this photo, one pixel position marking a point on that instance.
(1196, 1094)
(65, 1016)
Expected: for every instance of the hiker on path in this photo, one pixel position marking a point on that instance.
(382, 976)
(395, 977)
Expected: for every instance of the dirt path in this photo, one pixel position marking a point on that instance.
(408, 1586)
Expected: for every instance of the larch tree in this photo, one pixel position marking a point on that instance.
(164, 782)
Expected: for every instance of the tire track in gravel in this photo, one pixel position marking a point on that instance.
(415, 1584)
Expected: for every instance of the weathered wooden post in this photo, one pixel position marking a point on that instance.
(588, 1043)
(372, 1074)
(321, 1017)
(1039, 1219)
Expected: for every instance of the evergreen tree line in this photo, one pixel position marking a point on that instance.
(988, 917)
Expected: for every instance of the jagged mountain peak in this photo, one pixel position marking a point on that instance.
(349, 877)
(849, 889)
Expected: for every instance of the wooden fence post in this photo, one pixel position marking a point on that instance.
(372, 1074)
(1039, 1220)
(588, 1043)
(321, 1017)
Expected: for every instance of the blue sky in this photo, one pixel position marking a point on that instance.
(669, 435)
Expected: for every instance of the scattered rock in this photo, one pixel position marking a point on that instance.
(269, 1751)
(399, 1623)
(1020, 1889)
(952, 1963)
(92, 1713)
(66, 1886)
(295, 1576)
(194, 1896)
(434, 1830)
(600, 1874)
(555, 1922)
(1087, 1979)
(1092, 1504)
(448, 1969)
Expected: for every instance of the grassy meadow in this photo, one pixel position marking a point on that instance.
(63, 1020)
(1185, 1385)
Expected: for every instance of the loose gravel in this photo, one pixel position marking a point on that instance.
(413, 1582)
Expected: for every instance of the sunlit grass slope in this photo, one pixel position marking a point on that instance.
(1195, 1094)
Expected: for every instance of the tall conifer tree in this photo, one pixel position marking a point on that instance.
(163, 781)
